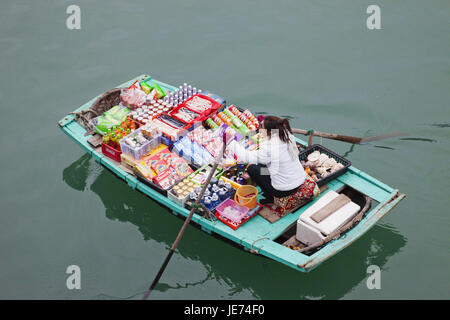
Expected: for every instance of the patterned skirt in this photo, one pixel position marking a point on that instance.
(305, 193)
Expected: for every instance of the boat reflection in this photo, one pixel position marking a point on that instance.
(264, 278)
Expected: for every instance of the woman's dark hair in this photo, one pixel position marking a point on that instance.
(272, 122)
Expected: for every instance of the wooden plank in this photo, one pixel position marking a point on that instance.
(95, 141)
(292, 241)
(331, 207)
(269, 215)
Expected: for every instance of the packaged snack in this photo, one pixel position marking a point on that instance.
(168, 130)
(217, 120)
(171, 121)
(165, 179)
(199, 104)
(158, 149)
(181, 168)
(185, 115)
(146, 87)
(225, 118)
(159, 166)
(165, 155)
(210, 122)
(133, 98)
(111, 118)
(144, 170)
(159, 92)
(129, 161)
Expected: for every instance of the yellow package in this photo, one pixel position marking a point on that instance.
(145, 171)
(155, 151)
(128, 160)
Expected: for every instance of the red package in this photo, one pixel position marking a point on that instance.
(151, 161)
(165, 155)
(166, 179)
(159, 167)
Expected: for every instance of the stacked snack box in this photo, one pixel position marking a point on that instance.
(164, 168)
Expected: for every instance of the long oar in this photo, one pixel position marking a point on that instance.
(340, 137)
(186, 222)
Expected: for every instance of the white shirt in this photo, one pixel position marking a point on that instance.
(283, 164)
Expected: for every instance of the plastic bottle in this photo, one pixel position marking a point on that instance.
(207, 202)
(215, 200)
(223, 192)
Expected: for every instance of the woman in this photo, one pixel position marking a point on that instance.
(275, 166)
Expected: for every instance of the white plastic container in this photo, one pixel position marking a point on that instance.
(141, 151)
(180, 201)
(309, 231)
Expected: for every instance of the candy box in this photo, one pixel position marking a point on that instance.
(166, 179)
(151, 161)
(159, 166)
(166, 155)
(181, 168)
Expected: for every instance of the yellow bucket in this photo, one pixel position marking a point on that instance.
(246, 196)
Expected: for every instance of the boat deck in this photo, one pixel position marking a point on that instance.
(257, 235)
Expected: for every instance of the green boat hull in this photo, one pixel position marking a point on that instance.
(257, 235)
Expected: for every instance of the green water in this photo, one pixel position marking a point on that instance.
(314, 61)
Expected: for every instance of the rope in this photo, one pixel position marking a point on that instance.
(251, 246)
(82, 116)
(196, 205)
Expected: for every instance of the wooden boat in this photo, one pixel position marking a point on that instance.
(273, 240)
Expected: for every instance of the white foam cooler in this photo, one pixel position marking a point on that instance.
(309, 231)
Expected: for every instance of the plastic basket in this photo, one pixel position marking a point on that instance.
(220, 210)
(214, 105)
(111, 152)
(180, 201)
(173, 114)
(142, 150)
(346, 163)
(233, 225)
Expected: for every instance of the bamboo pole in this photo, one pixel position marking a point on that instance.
(186, 222)
(340, 137)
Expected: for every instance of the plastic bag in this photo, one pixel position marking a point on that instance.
(112, 117)
(133, 98)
